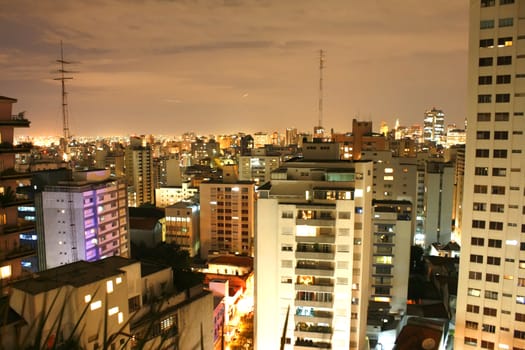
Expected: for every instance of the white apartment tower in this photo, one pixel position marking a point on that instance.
(313, 255)
(83, 219)
(491, 291)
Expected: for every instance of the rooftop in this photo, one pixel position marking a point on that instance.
(76, 274)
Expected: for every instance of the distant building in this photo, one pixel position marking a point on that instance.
(85, 218)
(434, 127)
(139, 173)
(360, 139)
(438, 201)
(166, 196)
(257, 168)
(183, 225)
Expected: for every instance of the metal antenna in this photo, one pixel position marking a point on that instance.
(321, 66)
(65, 113)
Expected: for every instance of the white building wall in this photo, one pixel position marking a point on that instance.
(269, 320)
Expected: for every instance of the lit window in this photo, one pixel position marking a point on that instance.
(388, 178)
(109, 286)
(389, 170)
(87, 298)
(96, 305)
(5, 271)
(113, 311)
(118, 280)
(120, 317)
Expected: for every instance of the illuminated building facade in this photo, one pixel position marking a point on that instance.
(182, 226)
(227, 217)
(83, 219)
(257, 168)
(166, 196)
(139, 174)
(434, 126)
(313, 254)
(491, 291)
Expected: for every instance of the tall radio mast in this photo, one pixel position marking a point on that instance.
(319, 130)
(65, 113)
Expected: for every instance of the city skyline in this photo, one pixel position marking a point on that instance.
(227, 66)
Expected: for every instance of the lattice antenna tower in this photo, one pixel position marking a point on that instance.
(65, 112)
(321, 67)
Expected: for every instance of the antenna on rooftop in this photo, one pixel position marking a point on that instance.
(319, 130)
(65, 113)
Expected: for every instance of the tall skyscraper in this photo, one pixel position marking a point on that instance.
(434, 126)
(491, 292)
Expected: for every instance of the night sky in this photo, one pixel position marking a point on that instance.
(166, 67)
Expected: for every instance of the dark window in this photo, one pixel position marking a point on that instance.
(494, 243)
(486, 61)
(499, 153)
(480, 188)
(477, 241)
(488, 3)
(483, 135)
(488, 311)
(498, 226)
(519, 334)
(502, 79)
(498, 190)
(505, 2)
(476, 258)
(484, 98)
(474, 275)
(497, 208)
(481, 171)
(501, 135)
(502, 98)
(486, 43)
(491, 277)
(502, 116)
(473, 308)
(486, 24)
(493, 260)
(504, 60)
(485, 80)
(482, 153)
(483, 117)
(478, 223)
(478, 206)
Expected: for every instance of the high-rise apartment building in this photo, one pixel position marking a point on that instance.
(82, 219)
(227, 217)
(139, 174)
(17, 253)
(434, 126)
(313, 253)
(491, 291)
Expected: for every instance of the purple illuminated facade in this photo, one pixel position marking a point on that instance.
(83, 219)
